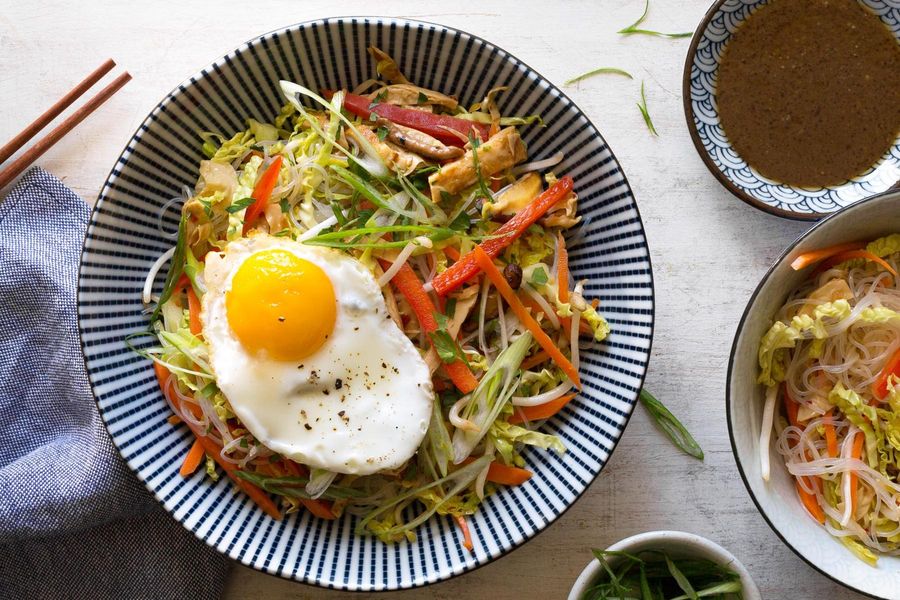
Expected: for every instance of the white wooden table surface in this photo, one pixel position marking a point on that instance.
(709, 250)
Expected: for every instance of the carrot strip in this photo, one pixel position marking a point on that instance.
(213, 450)
(811, 504)
(407, 283)
(534, 360)
(503, 474)
(506, 475)
(194, 311)
(808, 258)
(467, 535)
(484, 263)
(452, 253)
(851, 254)
(174, 420)
(262, 192)
(830, 436)
(192, 460)
(536, 309)
(562, 276)
(466, 268)
(855, 452)
(523, 414)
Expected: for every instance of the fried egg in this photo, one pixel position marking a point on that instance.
(303, 347)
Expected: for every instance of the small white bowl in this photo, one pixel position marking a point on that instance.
(777, 499)
(677, 544)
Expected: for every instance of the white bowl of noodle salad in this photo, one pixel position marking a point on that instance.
(814, 397)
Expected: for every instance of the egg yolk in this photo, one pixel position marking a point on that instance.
(281, 304)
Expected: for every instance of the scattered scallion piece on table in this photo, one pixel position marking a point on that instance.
(642, 106)
(633, 29)
(653, 575)
(600, 71)
(671, 426)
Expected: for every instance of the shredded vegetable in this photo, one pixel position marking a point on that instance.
(395, 177)
(831, 354)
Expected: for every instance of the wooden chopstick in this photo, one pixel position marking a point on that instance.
(54, 111)
(29, 156)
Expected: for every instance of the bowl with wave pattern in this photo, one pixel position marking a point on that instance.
(127, 233)
(742, 180)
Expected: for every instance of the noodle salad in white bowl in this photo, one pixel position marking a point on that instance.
(813, 397)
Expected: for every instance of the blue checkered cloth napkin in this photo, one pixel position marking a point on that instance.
(74, 521)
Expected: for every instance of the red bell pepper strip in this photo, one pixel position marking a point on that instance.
(407, 283)
(891, 369)
(464, 269)
(262, 192)
(449, 130)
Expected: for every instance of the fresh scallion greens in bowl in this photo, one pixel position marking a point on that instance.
(654, 575)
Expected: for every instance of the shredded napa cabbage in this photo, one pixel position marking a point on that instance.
(782, 337)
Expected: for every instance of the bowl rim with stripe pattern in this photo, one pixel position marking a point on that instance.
(640, 248)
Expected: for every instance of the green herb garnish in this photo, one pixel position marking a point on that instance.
(422, 99)
(239, 205)
(633, 28)
(176, 269)
(382, 132)
(642, 106)
(444, 344)
(539, 276)
(600, 71)
(671, 426)
(652, 575)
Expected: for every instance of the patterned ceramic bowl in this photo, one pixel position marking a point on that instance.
(699, 93)
(777, 500)
(126, 235)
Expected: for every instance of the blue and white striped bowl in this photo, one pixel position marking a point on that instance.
(126, 235)
(699, 91)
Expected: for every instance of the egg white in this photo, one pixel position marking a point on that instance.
(361, 404)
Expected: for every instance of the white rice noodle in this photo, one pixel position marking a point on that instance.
(539, 165)
(573, 339)
(482, 343)
(544, 398)
(542, 302)
(459, 422)
(402, 258)
(313, 232)
(846, 453)
(501, 320)
(213, 416)
(225, 452)
(154, 270)
(165, 208)
(766, 431)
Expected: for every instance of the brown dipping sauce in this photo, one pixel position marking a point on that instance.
(808, 91)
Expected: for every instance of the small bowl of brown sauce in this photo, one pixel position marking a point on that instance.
(794, 105)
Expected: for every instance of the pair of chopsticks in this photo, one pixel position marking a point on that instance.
(15, 168)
